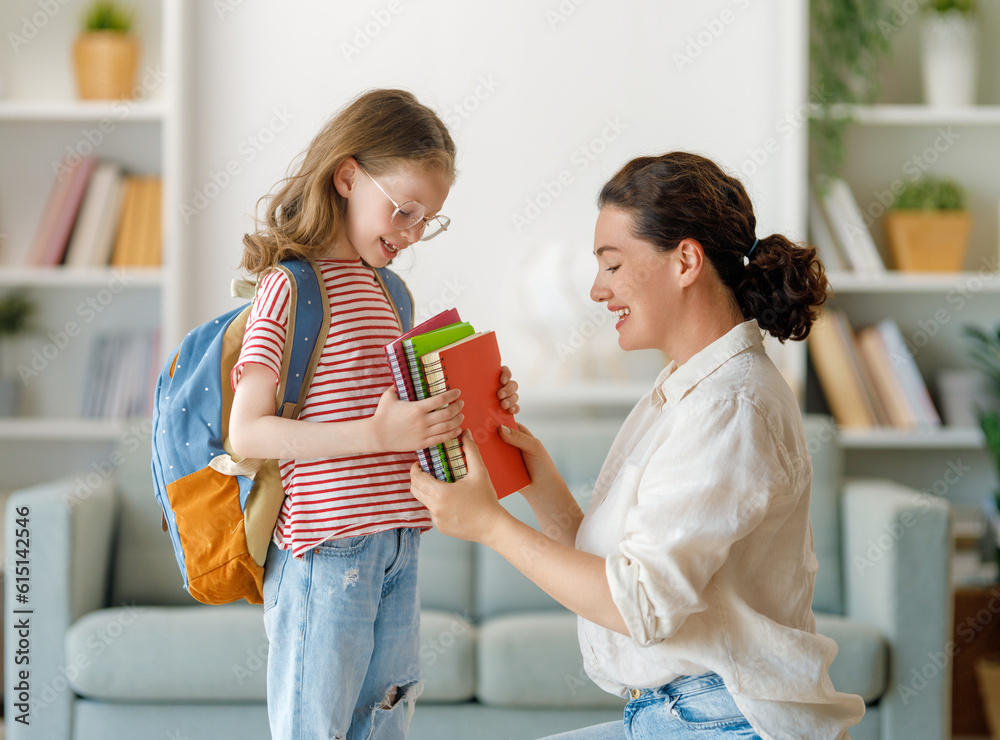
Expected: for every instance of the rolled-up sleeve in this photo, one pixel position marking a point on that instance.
(703, 487)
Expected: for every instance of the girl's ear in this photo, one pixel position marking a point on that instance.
(345, 177)
(690, 260)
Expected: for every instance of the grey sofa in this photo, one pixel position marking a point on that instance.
(118, 650)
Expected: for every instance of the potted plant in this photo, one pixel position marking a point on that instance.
(16, 310)
(985, 354)
(847, 42)
(105, 55)
(949, 52)
(928, 226)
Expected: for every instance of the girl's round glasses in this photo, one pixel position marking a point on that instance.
(410, 213)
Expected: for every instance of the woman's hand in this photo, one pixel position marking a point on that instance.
(508, 393)
(405, 426)
(536, 459)
(468, 508)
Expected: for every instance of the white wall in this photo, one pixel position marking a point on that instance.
(530, 90)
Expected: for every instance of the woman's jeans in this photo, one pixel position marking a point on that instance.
(688, 707)
(344, 629)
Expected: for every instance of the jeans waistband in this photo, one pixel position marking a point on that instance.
(681, 685)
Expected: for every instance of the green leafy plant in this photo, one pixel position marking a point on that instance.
(848, 39)
(966, 7)
(104, 15)
(931, 194)
(984, 352)
(16, 310)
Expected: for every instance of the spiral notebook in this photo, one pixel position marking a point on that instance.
(395, 353)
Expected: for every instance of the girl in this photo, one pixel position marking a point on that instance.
(340, 591)
(693, 570)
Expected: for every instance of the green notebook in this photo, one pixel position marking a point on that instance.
(415, 348)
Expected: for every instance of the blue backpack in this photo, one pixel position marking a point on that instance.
(220, 510)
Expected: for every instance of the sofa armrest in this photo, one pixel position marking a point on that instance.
(897, 553)
(69, 547)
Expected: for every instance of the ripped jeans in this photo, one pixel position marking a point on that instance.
(344, 629)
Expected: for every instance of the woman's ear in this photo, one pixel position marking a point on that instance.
(690, 260)
(345, 176)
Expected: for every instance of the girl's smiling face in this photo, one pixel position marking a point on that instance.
(367, 231)
(636, 281)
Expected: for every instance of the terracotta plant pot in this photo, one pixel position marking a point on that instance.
(988, 678)
(928, 241)
(105, 63)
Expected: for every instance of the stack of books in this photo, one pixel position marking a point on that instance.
(120, 375)
(444, 353)
(96, 215)
(838, 228)
(869, 378)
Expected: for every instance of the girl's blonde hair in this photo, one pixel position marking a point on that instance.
(380, 129)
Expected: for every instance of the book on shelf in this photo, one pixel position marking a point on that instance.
(871, 347)
(417, 346)
(869, 378)
(473, 366)
(821, 237)
(396, 356)
(908, 374)
(96, 225)
(838, 371)
(120, 375)
(138, 243)
(48, 247)
(847, 225)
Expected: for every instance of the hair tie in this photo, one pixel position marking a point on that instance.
(746, 257)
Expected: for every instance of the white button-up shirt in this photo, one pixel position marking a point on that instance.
(702, 514)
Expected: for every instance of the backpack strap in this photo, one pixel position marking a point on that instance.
(399, 296)
(305, 334)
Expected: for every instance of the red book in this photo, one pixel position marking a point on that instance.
(473, 366)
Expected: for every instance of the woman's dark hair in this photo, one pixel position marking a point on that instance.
(680, 195)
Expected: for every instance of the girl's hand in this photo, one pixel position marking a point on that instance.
(468, 508)
(405, 426)
(508, 393)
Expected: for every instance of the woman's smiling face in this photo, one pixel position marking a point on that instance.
(635, 280)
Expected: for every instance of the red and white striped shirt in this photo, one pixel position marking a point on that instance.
(337, 496)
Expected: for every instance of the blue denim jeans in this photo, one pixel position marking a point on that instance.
(343, 623)
(696, 707)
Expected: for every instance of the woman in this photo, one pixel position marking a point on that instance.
(693, 570)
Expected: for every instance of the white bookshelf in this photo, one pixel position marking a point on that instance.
(889, 143)
(41, 120)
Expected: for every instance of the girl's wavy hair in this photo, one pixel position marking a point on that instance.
(680, 195)
(380, 129)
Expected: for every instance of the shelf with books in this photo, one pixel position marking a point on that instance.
(93, 299)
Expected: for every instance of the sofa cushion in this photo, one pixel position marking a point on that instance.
(198, 653)
(444, 573)
(447, 657)
(861, 665)
(219, 653)
(533, 660)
